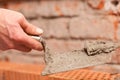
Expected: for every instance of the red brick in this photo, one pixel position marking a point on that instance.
(1, 75)
(92, 27)
(96, 4)
(14, 71)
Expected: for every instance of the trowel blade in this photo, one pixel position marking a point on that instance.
(59, 62)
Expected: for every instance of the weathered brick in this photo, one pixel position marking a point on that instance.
(118, 31)
(112, 6)
(96, 4)
(26, 8)
(94, 27)
(65, 45)
(58, 28)
(43, 24)
(22, 57)
(47, 8)
(116, 57)
(63, 8)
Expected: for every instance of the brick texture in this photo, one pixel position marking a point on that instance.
(14, 71)
(92, 27)
(47, 8)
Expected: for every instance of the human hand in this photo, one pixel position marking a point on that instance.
(14, 30)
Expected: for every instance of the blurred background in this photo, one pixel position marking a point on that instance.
(66, 24)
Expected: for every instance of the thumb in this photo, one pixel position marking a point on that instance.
(30, 28)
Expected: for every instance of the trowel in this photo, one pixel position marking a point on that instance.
(95, 52)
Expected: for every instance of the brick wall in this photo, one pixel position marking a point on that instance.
(66, 24)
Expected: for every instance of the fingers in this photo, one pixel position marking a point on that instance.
(32, 43)
(22, 48)
(29, 28)
(6, 44)
(17, 35)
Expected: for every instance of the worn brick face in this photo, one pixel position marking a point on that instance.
(47, 8)
(96, 4)
(58, 28)
(91, 27)
(64, 45)
(43, 24)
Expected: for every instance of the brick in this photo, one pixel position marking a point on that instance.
(82, 74)
(99, 4)
(58, 28)
(14, 71)
(112, 6)
(110, 68)
(92, 27)
(1, 75)
(34, 56)
(43, 24)
(17, 71)
(64, 8)
(28, 9)
(116, 57)
(64, 45)
(47, 8)
(118, 31)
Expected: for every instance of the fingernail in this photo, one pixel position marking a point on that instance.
(38, 30)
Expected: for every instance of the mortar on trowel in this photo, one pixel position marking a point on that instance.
(94, 53)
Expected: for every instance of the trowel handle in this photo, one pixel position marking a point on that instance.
(38, 38)
(41, 40)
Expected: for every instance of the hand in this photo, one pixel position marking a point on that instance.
(14, 30)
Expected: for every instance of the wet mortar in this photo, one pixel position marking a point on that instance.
(94, 53)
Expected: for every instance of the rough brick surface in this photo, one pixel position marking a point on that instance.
(61, 8)
(43, 24)
(99, 4)
(65, 45)
(12, 71)
(27, 8)
(116, 57)
(58, 28)
(91, 27)
(47, 8)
